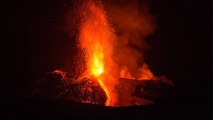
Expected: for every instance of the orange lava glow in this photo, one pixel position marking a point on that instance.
(98, 40)
(96, 64)
(144, 73)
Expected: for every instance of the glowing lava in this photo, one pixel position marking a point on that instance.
(96, 39)
(97, 68)
(97, 61)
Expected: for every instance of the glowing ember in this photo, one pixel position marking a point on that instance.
(97, 65)
(98, 40)
(110, 68)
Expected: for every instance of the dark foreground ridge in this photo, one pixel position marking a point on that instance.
(60, 85)
(60, 109)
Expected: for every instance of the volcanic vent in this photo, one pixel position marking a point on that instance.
(114, 72)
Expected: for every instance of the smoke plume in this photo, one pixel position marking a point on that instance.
(132, 22)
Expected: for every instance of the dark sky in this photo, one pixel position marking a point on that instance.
(36, 41)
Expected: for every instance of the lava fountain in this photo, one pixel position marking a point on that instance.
(98, 39)
(111, 60)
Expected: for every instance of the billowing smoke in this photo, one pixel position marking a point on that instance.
(132, 23)
(112, 37)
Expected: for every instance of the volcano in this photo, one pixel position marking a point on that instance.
(112, 67)
(62, 86)
(38, 38)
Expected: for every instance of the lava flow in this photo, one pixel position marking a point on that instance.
(98, 39)
(110, 66)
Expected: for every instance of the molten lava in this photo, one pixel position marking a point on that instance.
(110, 67)
(98, 40)
(97, 61)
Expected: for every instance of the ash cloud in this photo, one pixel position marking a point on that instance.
(132, 22)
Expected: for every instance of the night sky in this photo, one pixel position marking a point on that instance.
(36, 41)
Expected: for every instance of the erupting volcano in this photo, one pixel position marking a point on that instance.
(112, 57)
(98, 39)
